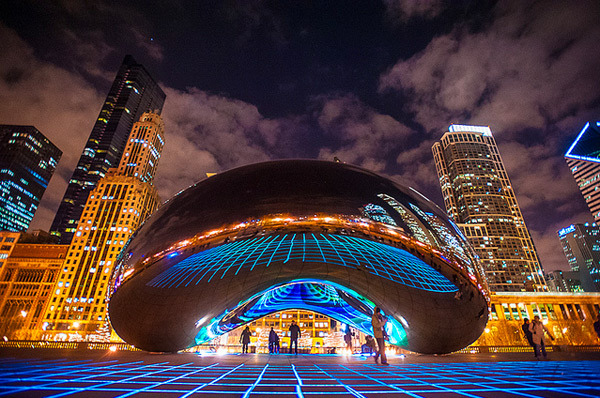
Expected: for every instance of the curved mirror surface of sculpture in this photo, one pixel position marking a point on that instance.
(298, 234)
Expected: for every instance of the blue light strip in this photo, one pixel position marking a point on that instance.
(346, 251)
(249, 390)
(347, 387)
(581, 157)
(532, 379)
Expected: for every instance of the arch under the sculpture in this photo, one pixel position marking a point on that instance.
(327, 298)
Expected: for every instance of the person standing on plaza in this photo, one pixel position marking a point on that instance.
(273, 342)
(528, 334)
(537, 329)
(294, 335)
(378, 322)
(597, 326)
(245, 340)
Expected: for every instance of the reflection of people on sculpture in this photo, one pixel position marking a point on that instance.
(245, 339)
(370, 346)
(273, 342)
(294, 335)
(378, 322)
(348, 338)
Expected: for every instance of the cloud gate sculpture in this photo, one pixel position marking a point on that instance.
(298, 234)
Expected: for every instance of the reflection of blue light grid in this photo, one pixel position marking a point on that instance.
(212, 377)
(379, 259)
(339, 303)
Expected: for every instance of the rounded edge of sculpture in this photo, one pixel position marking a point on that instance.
(211, 257)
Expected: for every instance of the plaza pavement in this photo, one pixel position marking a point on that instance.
(94, 373)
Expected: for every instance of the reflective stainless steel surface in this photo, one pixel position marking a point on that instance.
(235, 237)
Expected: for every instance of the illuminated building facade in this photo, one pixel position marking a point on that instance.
(132, 93)
(479, 196)
(319, 332)
(27, 161)
(117, 206)
(581, 244)
(8, 240)
(322, 237)
(568, 316)
(26, 281)
(583, 158)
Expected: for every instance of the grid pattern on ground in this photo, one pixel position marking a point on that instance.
(379, 259)
(113, 378)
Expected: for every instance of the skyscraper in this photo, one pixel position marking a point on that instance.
(583, 158)
(133, 92)
(115, 208)
(479, 197)
(581, 244)
(27, 161)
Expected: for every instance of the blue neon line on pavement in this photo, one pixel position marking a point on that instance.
(249, 390)
(477, 380)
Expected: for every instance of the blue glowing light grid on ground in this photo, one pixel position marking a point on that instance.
(382, 260)
(112, 378)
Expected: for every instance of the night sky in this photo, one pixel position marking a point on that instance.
(373, 83)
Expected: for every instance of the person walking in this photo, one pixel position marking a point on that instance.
(378, 322)
(528, 334)
(245, 340)
(537, 329)
(294, 335)
(273, 342)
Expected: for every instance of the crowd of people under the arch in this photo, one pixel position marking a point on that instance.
(373, 345)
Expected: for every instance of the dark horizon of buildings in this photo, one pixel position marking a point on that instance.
(27, 162)
(132, 93)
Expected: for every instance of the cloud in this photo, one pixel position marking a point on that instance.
(88, 51)
(215, 132)
(205, 132)
(528, 68)
(148, 44)
(357, 133)
(531, 74)
(59, 103)
(403, 10)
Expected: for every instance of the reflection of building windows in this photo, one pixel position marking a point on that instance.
(377, 213)
(411, 221)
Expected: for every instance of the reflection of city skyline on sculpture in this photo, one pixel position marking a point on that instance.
(210, 251)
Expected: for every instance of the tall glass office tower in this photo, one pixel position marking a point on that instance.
(581, 244)
(583, 158)
(133, 92)
(479, 196)
(27, 161)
